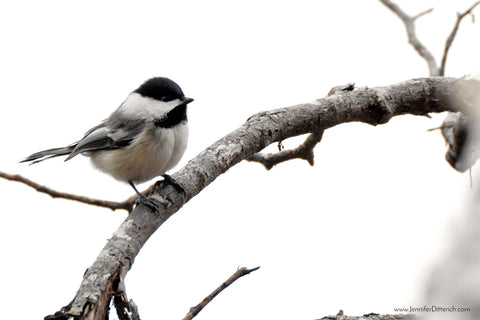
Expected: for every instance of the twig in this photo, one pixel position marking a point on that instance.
(113, 205)
(450, 39)
(439, 128)
(303, 151)
(239, 273)
(412, 36)
(419, 47)
(422, 13)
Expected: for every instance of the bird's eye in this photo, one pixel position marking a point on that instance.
(164, 98)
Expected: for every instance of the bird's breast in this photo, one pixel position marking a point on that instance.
(152, 153)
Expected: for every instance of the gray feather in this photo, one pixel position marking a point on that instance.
(114, 132)
(107, 136)
(47, 154)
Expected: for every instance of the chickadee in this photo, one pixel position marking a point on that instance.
(144, 138)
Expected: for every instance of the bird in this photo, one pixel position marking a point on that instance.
(142, 139)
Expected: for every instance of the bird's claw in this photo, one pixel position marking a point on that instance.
(171, 181)
(149, 203)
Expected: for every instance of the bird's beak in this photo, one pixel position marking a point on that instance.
(186, 101)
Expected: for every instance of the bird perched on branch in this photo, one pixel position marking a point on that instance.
(144, 138)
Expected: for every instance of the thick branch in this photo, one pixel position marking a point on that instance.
(412, 36)
(199, 307)
(450, 39)
(369, 105)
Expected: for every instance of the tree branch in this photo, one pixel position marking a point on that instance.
(199, 307)
(412, 36)
(127, 204)
(422, 13)
(369, 105)
(450, 39)
(303, 151)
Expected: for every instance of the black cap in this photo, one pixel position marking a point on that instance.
(160, 88)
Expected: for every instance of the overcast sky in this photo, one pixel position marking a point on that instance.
(359, 231)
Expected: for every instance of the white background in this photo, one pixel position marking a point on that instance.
(359, 231)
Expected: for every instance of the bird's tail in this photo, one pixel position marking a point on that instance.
(47, 154)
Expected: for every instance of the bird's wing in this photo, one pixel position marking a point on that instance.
(108, 136)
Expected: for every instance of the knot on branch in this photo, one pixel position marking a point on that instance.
(378, 112)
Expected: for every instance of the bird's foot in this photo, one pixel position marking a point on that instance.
(174, 183)
(142, 199)
(149, 203)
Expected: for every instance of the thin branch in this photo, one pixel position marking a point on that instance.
(199, 307)
(450, 39)
(412, 35)
(422, 14)
(303, 151)
(113, 205)
(439, 128)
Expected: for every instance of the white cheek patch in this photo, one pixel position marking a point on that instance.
(137, 106)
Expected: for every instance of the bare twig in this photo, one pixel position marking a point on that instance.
(303, 151)
(450, 39)
(412, 36)
(239, 273)
(422, 14)
(439, 128)
(419, 47)
(113, 205)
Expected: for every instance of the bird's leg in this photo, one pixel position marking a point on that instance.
(143, 199)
